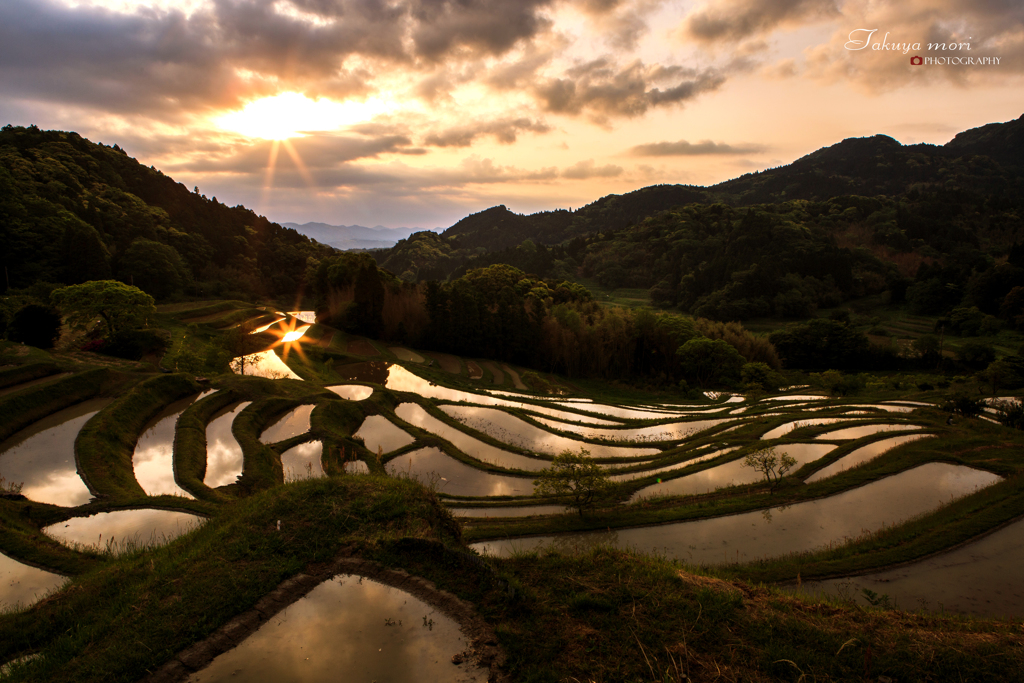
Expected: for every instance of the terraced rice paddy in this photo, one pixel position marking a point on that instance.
(484, 460)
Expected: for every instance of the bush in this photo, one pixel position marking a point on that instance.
(134, 344)
(35, 325)
(962, 404)
(760, 376)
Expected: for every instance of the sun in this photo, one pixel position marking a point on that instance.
(293, 115)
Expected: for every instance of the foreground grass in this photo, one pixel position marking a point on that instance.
(608, 616)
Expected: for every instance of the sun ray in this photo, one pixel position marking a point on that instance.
(268, 180)
(294, 154)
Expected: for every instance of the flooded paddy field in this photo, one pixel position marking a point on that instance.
(22, 585)
(781, 530)
(123, 528)
(42, 457)
(223, 453)
(304, 461)
(981, 577)
(153, 459)
(353, 629)
(433, 468)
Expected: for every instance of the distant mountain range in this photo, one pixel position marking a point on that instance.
(353, 236)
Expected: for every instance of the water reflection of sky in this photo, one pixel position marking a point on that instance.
(42, 457)
(733, 473)
(23, 585)
(400, 379)
(380, 434)
(865, 430)
(512, 430)
(448, 475)
(153, 460)
(862, 455)
(981, 577)
(223, 454)
(263, 364)
(292, 423)
(349, 629)
(666, 432)
(352, 392)
(416, 415)
(796, 528)
(303, 461)
(145, 527)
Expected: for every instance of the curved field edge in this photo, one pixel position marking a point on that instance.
(609, 615)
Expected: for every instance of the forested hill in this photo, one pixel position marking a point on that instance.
(72, 210)
(987, 160)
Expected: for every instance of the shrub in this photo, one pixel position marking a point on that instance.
(35, 325)
(134, 344)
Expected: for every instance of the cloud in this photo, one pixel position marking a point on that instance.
(584, 170)
(504, 130)
(600, 90)
(684, 148)
(734, 20)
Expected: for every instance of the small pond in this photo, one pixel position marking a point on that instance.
(430, 466)
(41, 457)
(475, 448)
(512, 430)
(352, 392)
(862, 455)
(122, 529)
(303, 461)
(224, 459)
(290, 424)
(379, 434)
(981, 577)
(733, 473)
(349, 629)
(153, 459)
(21, 584)
(782, 530)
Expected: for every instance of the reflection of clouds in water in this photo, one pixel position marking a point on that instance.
(862, 455)
(799, 527)
(291, 424)
(512, 430)
(153, 460)
(666, 432)
(430, 466)
(303, 461)
(263, 364)
(351, 629)
(379, 433)
(42, 457)
(351, 392)
(733, 473)
(400, 379)
(865, 430)
(416, 415)
(23, 585)
(148, 527)
(224, 459)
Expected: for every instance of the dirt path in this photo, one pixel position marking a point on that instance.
(515, 378)
(496, 373)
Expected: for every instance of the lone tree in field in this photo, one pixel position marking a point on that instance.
(769, 463)
(122, 307)
(575, 478)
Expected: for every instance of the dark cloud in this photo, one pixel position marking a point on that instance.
(164, 62)
(504, 130)
(599, 90)
(734, 20)
(684, 148)
(484, 26)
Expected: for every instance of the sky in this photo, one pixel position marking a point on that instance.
(416, 113)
